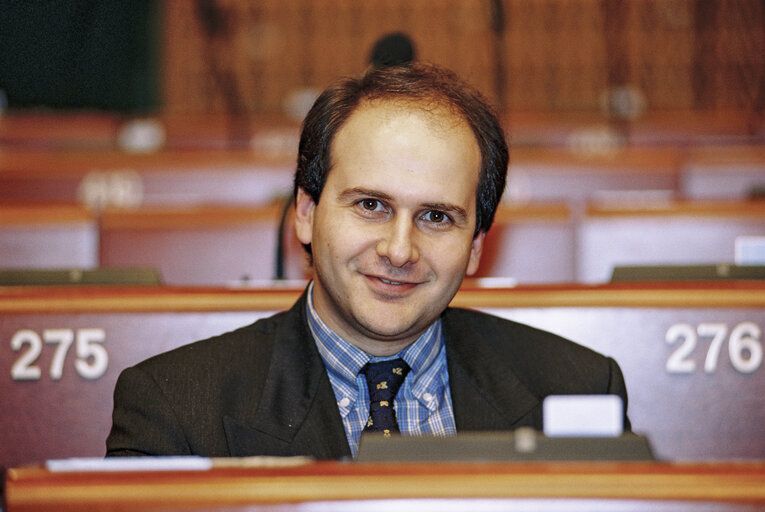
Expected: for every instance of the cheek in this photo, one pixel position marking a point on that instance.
(450, 256)
(341, 242)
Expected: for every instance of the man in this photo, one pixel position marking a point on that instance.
(399, 174)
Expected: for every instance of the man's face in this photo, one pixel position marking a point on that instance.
(392, 236)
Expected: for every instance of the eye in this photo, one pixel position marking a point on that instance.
(370, 204)
(436, 217)
(371, 208)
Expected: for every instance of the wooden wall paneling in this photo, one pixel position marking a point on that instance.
(742, 51)
(433, 35)
(577, 61)
(359, 40)
(185, 74)
(292, 27)
(679, 54)
(472, 53)
(324, 58)
(661, 40)
(535, 42)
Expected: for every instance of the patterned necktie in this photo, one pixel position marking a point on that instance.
(383, 380)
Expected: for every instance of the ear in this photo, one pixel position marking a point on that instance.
(304, 209)
(476, 247)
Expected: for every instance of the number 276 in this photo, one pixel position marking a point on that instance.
(744, 346)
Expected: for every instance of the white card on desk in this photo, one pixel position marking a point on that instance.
(583, 416)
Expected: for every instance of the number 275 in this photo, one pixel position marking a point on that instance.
(91, 362)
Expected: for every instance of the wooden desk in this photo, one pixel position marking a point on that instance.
(171, 177)
(440, 487)
(47, 236)
(723, 172)
(561, 174)
(203, 245)
(662, 233)
(48, 131)
(691, 354)
(531, 243)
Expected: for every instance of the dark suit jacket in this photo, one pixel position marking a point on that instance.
(263, 389)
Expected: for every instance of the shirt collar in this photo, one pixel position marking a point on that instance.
(345, 360)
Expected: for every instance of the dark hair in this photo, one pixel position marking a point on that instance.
(418, 84)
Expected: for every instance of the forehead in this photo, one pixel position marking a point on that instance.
(418, 125)
(437, 115)
(407, 148)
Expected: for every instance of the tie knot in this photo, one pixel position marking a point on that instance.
(384, 378)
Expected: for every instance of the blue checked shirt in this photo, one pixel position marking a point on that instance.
(423, 404)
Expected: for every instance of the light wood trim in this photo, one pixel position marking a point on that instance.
(44, 215)
(141, 299)
(513, 212)
(28, 488)
(634, 295)
(745, 154)
(747, 209)
(38, 165)
(736, 294)
(50, 131)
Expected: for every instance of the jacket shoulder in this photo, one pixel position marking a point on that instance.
(223, 349)
(546, 362)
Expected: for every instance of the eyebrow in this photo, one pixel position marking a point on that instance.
(352, 193)
(457, 212)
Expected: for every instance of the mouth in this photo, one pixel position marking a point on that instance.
(387, 285)
(396, 283)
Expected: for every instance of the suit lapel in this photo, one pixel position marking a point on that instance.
(486, 393)
(297, 413)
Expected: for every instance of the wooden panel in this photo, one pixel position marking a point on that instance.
(202, 245)
(690, 408)
(47, 236)
(729, 172)
(102, 179)
(661, 234)
(306, 486)
(530, 243)
(559, 55)
(573, 174)
(57, 131)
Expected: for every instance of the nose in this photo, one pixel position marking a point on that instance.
(398, 243)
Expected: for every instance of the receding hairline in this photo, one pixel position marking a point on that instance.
(439, 114)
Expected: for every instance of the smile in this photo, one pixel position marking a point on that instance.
(391, 282)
